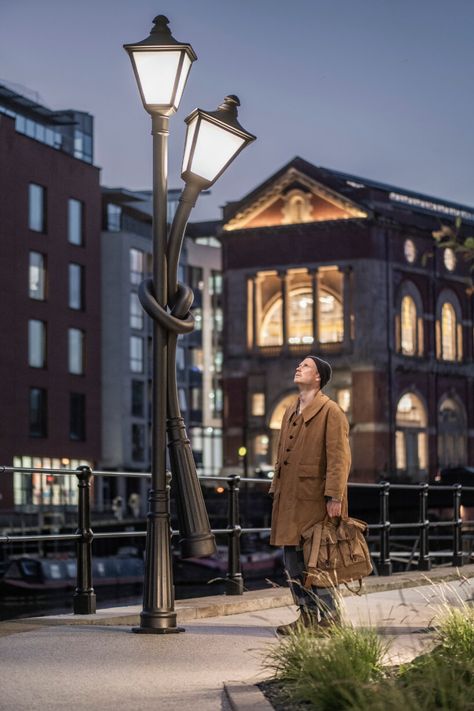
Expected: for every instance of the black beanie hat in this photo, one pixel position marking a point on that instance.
(324, 369)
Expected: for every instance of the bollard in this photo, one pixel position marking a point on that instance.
(84, 602)
(234, 584)
(385, 564)
(457, 526)
(424, 560)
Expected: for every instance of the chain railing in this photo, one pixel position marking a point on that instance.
(84, 599)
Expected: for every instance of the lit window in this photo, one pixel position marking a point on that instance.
(261, 445)
(409, 326)
(136, 354)
(448, 332)
(344, 399)
(37, 277)
(36, 208)
(36, 343)
(76, 287)
(197, 313)
(301, 317)
(75, 222)
(136, 312)
(449, 259)
(137, 266)
(258, 404)
(76, 351)
(409, 250)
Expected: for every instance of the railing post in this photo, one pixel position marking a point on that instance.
(385, 564)
(457, 526)
(84, 602)
(424, 560)
(234, 584)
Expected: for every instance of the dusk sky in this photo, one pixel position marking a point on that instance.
(383, 89)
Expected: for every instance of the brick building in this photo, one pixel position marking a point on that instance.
(49, 298)
(316, 261)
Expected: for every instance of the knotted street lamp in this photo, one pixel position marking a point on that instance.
(161, 65)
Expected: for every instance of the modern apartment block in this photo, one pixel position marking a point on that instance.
(317, 261)
(127, 344)
(49, 298)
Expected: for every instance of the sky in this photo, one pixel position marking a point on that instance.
(382, 89)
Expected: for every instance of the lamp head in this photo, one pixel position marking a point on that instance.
(213, 140)
(161, 66)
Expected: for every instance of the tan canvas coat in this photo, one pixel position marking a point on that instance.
(314, 460)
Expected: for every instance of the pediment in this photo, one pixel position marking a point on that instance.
(294, 198)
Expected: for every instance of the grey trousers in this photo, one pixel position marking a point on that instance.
(318, 600)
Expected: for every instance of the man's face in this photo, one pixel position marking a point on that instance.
(307, 374)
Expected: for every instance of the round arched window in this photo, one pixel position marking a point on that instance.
(449, 259)
(409, 250)
(411, 441)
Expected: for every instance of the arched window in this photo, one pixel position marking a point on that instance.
(409, 321)
(408, 326)
(451, 433)
(411, 442)
(448, 332)
(300, 327)
(449, 335)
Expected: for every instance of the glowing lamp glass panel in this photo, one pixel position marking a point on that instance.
(157, 72)
(214, 149)
(189, 141)
(182, 79)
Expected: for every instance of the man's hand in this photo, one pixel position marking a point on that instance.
(334, 508)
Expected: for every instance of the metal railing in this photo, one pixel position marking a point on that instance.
(234, 583)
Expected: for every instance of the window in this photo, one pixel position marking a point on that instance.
(38, 425)
(218, 320)
(344, 399)
(137, 266)
(76, 342)
(409, 251)
(258, 404)
(136, 354)
(36, 344)
(136, 312)
(217, 402)
(449, 259)
(195, 276)
(37, 277)
(138, 443)
(215, 282)
(76, 287)
(114, 218)
(37, 208)
(448, 332)
(411, 440)
(197, 313)
(452, 433)
(138, 398)
(301, 317)
(75, 222)
(77, 416)
(408, 326)
(197, 359)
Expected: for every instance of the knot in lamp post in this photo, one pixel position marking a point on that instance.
(161, 66)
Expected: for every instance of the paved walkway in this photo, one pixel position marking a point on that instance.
(54, 664)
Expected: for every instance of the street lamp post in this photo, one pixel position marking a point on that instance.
(161, 66)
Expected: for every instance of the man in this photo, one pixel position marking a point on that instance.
(310, 481)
